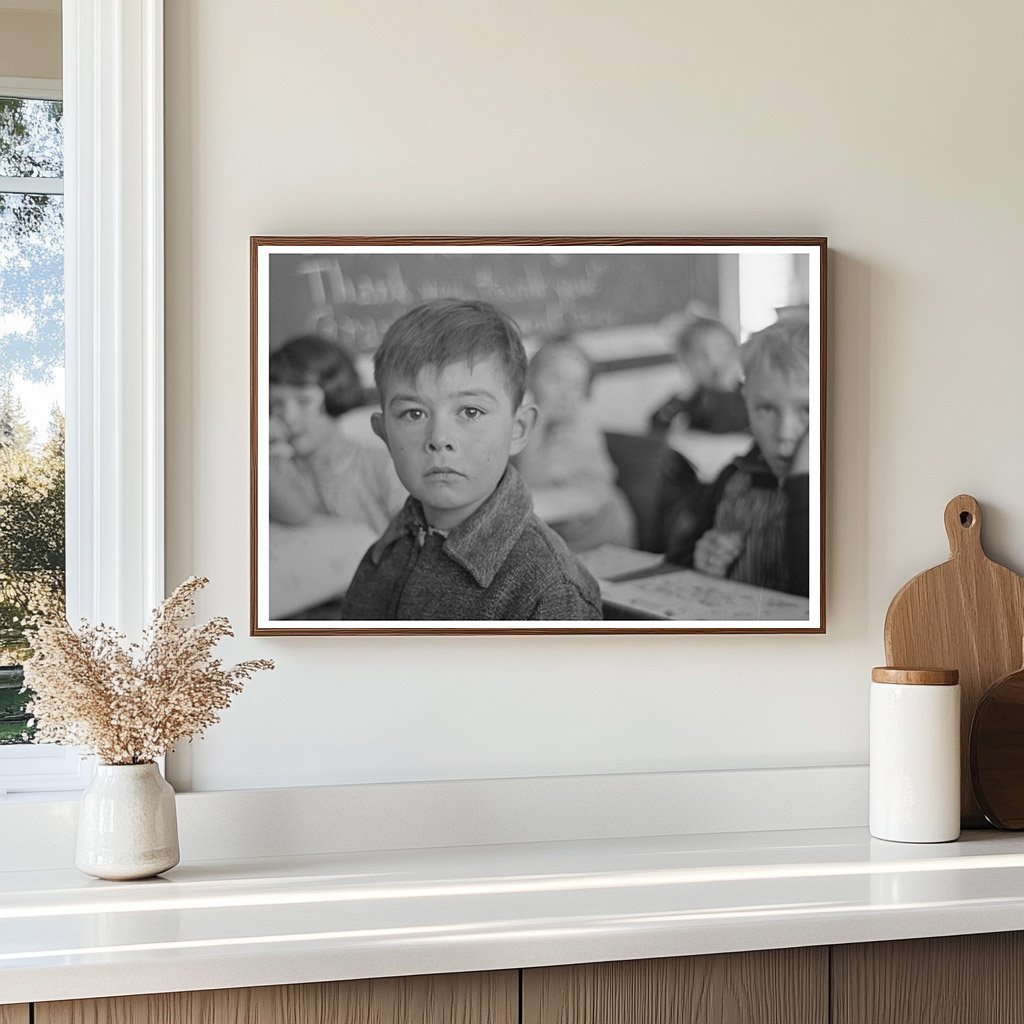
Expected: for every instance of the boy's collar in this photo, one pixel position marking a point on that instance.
(752, 460)
(481, 543)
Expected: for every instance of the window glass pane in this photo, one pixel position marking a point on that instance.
(14, 726)
(31, 430)
(31, 138)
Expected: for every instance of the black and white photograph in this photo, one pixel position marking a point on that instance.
(537, 435)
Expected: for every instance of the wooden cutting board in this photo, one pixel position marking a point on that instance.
(997, 752)
(967, 614)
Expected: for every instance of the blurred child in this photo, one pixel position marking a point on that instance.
(565, 463)
(315, 468)
(756, 514)
(704, 425)
(709, 362)
(466, 544)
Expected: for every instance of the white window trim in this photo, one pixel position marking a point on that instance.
(114, 323)
(32, 88)
(31, 186)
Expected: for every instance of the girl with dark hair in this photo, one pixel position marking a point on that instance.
(315, 467)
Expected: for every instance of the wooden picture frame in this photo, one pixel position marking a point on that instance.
(696, 458)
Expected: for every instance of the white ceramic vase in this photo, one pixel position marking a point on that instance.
(127, 825)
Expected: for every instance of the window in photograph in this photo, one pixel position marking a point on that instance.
(770, 289)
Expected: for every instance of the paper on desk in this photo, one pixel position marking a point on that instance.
(689, 595)
(610, 561)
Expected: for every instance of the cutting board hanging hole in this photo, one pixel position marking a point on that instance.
(963, 526)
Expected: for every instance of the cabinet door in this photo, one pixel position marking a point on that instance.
(962, 979)
(778, 986)
(14, 1014)
(491, 998)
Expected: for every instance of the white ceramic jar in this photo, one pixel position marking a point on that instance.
(127, 824)
(915, 755)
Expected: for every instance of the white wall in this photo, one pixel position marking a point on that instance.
(894, 129)
(29, 42)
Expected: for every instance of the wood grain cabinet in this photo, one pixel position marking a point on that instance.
(491, 998)
(963, 979)
(776, 986)
(967, 979)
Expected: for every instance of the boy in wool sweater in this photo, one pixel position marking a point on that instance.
(467, 544)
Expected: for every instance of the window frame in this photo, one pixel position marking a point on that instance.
(38, 767)
(114, 336)
(32, 89)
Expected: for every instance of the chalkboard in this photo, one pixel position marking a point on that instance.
(354, 297)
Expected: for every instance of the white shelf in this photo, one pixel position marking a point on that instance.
(224, 924)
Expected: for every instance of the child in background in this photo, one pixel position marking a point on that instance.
(704, 425)
(709, 361)
(565, 463)
(757, 511)
(466, 544)
(315, 468)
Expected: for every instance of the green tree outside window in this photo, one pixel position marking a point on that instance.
(31, 352)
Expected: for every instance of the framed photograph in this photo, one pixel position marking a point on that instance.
(537, 435)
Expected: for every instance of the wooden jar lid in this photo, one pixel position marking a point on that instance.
(918, 676)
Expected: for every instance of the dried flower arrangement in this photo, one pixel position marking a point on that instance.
(129, 704)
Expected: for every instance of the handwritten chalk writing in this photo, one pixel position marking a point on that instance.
(329, 283)
(354, 297)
